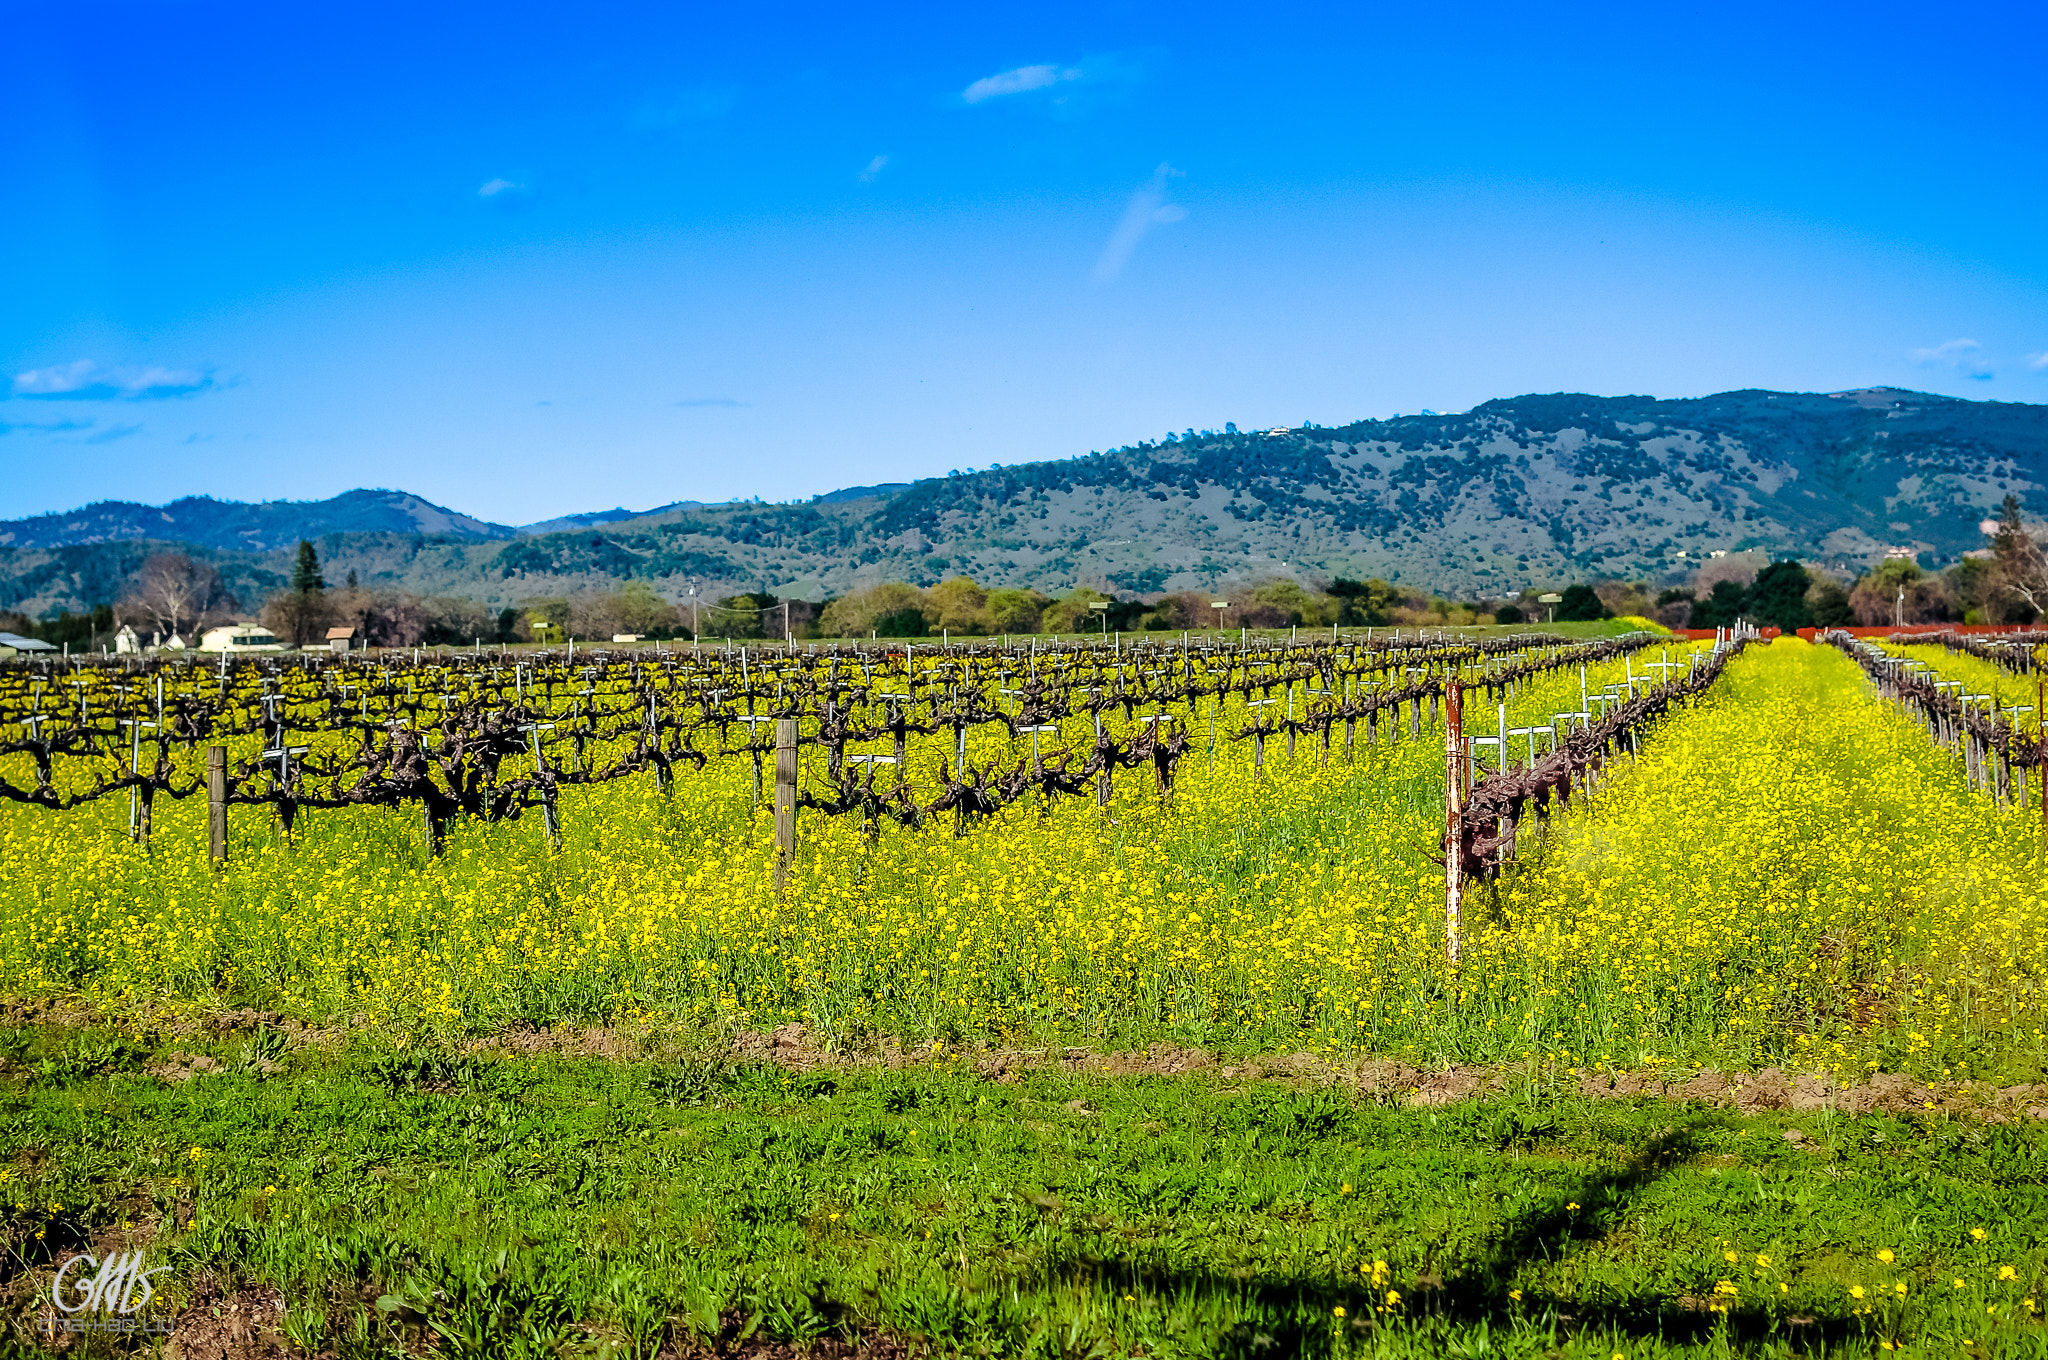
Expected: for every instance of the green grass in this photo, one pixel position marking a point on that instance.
(481, 1206)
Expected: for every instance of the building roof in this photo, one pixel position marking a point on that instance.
(23, 644)
(334, 633)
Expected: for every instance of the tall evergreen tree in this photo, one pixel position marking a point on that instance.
(306, 576)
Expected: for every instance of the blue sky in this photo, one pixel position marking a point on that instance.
(526, 259)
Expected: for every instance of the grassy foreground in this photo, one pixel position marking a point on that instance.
(413, 1201)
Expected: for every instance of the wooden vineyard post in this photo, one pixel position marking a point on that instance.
(1454, 816)
(654, 740)
(217, 803)
(785, 800)
(1104, 785)
(550, 820)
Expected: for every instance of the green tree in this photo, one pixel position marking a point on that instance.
(1728, 602)
(1777, 598)
(306, 576)
(900, 623)
(1072, 612)
(758, 615)
(1015, 611)
(1829, 605)
(962, 605)
(642, 610)
(1897, 591)
(1362, 604)
(1580, 604)
(858, 614)
(301, 613)
(547, 620)
(1294, 603)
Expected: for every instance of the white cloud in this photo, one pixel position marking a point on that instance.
(60, 380)
(1020, 81)
(2037, 362)
(875, 167)
(1147, 209)
(1964, 356)
(492, 188)
(84, 380)
(1947, 352)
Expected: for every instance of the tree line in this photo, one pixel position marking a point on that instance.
(2005, 582)
(173, 594)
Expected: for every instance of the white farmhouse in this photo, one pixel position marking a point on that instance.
(239, 637)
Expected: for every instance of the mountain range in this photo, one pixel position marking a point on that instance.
(1524, 490)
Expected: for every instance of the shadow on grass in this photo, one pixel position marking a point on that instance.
(1292, 1312)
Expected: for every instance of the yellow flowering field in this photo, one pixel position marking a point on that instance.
(1788, 873)
(1792, 872)
(2008, 691)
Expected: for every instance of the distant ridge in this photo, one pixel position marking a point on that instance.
(246, 527)
(861, 493)
(563, 524)
(1532, 489)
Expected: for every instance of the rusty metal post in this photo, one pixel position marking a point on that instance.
(785, 800)
(1454, 818)
(217, 802)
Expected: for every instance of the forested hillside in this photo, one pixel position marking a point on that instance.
(1527, 489)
